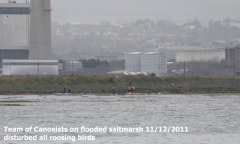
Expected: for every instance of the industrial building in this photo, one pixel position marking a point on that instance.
(200, 55)
(73, 66)
(14, 30)
(230, 66)
(13, 67)
(25, 39)
(25, 30)
(151, 62)
(14, 53)
(14, 24)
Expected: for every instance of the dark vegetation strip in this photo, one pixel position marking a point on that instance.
(11, 105)
(16, 101)
(96, 84)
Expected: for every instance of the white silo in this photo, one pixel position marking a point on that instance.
(133, 61)
(154, 62)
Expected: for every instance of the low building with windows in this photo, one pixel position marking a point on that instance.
(13, 67)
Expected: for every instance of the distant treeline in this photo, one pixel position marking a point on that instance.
(92, 63)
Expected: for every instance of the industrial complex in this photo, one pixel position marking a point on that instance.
(26, 44)
(25, 35)
(230, 66)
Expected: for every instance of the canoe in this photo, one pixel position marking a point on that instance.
(132, 93)
(155, 93)
(62, 93)
(136, 94)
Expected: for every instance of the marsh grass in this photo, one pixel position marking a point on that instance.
(97, 84)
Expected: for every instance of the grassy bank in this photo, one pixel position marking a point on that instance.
(94, 84)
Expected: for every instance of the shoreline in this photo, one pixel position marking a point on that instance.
(109, 94)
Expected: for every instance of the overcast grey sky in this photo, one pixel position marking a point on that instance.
(116, 11)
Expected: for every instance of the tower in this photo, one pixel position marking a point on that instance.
(40, 45)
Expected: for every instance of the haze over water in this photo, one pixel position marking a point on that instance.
(210, 119)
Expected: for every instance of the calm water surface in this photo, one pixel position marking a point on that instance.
(210, 119)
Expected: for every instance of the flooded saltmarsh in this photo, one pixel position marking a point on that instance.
(208, 118)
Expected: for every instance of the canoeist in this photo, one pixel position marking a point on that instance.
(129, 90)
(69, 90)
(64, 89)
(84, 92)
(133, 89)
(179, 87)
(113, 90)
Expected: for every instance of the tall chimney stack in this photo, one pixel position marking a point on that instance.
(40, 30)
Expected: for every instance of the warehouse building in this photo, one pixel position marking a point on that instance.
(200, 56)
(13, 67)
